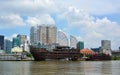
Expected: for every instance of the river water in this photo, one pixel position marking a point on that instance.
(59, 67)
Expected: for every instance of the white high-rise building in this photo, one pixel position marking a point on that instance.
(73, 41)
(106, 46)
(62, 39)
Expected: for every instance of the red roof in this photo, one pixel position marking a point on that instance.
(87, 51)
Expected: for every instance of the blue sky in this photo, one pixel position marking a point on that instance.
(88, 20)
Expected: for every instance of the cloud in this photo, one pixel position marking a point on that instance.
(27, 7)
(91, 29)
(11, 20)
(11, 37)
(20, 13)
(42, 19)
(14, 20)
(96, 7)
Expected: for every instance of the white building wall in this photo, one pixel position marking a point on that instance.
(106, 46)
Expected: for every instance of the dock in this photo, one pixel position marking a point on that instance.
(10, 57)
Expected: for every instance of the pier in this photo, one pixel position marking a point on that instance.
(10, 57)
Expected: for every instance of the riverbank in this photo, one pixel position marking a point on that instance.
(115, 57)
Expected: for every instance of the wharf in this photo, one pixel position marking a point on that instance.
(10, 57)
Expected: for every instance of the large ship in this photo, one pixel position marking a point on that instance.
(60, 52)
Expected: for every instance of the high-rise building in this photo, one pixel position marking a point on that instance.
(7, 46)
(44, 34)
(80, 45)
(1, 42)
(106, 46)
(23, 42)
(62, 39)
(73, 41)
(16, 42)
(22, 38)
(32, 34)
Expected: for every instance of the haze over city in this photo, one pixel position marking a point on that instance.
(89, 21)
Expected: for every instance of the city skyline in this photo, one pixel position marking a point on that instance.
(89, 21)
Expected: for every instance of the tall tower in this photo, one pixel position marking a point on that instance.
(22, 38)
(80, 45)
(44, 34)
(7, 46)
(23, 42)
(62, 39)
(16, 42)
(32, 34)
(1, 42)
(106, 46)
(52, 35)
(73, 41)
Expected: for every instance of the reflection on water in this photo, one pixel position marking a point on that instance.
(98, 68)
(59, 68)
(14, 68)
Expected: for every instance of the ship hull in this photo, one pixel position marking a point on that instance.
(40, 54)
(99, 57)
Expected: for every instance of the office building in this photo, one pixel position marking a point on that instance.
(1, 42)
(32, 34)
(23, 42)
(106, 47)
(62, 39)
(22, 38)
(73, 41)
(7, 46)
(44, 34)
(80, 45)
(16, 42)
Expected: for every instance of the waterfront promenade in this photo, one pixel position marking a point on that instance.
(10, 57)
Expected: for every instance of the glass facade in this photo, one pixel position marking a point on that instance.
(16, 42)
(1, 42)
(8, 46)
(80, 45)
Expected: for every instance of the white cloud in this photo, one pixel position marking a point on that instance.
(11, 37)
(12, 12)
(94, 29)
(98, 7)
(42, 19)
(26, 7)
(11, 20)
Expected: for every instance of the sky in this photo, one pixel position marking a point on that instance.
(88, 20)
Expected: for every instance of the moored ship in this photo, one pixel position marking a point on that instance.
(60, 52)
(99, 57)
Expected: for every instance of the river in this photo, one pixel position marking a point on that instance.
(59, 67)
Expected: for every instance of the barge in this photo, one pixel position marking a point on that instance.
(99, 57)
